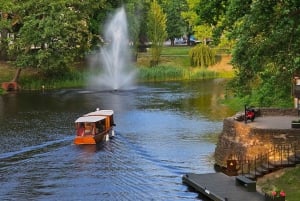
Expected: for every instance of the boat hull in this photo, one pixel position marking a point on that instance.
(90, 139)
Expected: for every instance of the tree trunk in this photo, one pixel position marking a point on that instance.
(172, 41)
(17, 75)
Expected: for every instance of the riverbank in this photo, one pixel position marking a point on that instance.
(174, 66)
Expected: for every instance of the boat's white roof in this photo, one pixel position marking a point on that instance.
(90, 119)
(100, 113)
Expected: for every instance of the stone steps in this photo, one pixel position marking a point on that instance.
(268, 166)
(272, 166)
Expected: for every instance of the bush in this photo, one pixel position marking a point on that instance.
(202, 55)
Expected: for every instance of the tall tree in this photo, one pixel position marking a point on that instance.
(211, 15)
(266, 54)
(156, 30)
(201, 28)
(135, 15)
(176, 26)
(99, 12)
(190, 17)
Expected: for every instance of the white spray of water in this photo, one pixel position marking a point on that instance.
(114, 58)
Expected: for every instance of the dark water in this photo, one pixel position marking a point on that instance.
(163, 131)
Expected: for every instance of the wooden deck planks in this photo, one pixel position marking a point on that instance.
(218, 187)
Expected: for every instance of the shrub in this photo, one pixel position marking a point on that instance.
(202, 55)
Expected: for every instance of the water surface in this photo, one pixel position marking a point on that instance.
(163, 131)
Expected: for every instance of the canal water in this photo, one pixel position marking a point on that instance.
(163, 130)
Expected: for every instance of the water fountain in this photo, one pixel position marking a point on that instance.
(116, 73)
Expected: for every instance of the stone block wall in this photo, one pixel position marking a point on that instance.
(241, 141)
(277, 112)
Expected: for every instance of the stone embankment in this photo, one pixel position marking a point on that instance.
(243, 141)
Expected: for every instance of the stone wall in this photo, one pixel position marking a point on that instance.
(277, 112)
(241, 141)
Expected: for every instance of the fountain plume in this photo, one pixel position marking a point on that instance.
(117, 72)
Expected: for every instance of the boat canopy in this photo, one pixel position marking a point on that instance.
(100, 113)
(90, 119)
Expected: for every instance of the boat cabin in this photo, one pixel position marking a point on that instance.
(90, 125)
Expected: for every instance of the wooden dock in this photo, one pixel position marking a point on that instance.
(220, 187)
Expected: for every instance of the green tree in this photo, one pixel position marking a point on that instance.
(266, 54)
(211, 11)
(156, 30)
(9, 22)
(265, 51)
(190, 17)
(98, 13)
(53, 34)
(175, 24)
(134, 10)
(201, 26)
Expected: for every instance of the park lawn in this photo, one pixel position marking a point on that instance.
(177, 56)
(176, 50)
(170, 60)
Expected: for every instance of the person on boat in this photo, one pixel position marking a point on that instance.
(80, 130)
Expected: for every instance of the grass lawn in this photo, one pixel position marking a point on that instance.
(176, 50)
(287, 179)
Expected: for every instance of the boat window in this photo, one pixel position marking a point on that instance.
(80, 129)
(88, 129)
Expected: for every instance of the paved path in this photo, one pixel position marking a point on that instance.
(273, 122)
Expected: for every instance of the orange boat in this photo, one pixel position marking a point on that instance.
(94, 127)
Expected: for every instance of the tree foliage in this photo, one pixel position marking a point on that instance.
(8, 22)
(211, 11)
(202, 17)
(136, 17)
(156, 30)
(267, 53)
(176, 26)
(52, 34)
(202, 56)
(49, 35)
(190, 17)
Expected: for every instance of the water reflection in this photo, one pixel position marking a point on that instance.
(162, 131)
